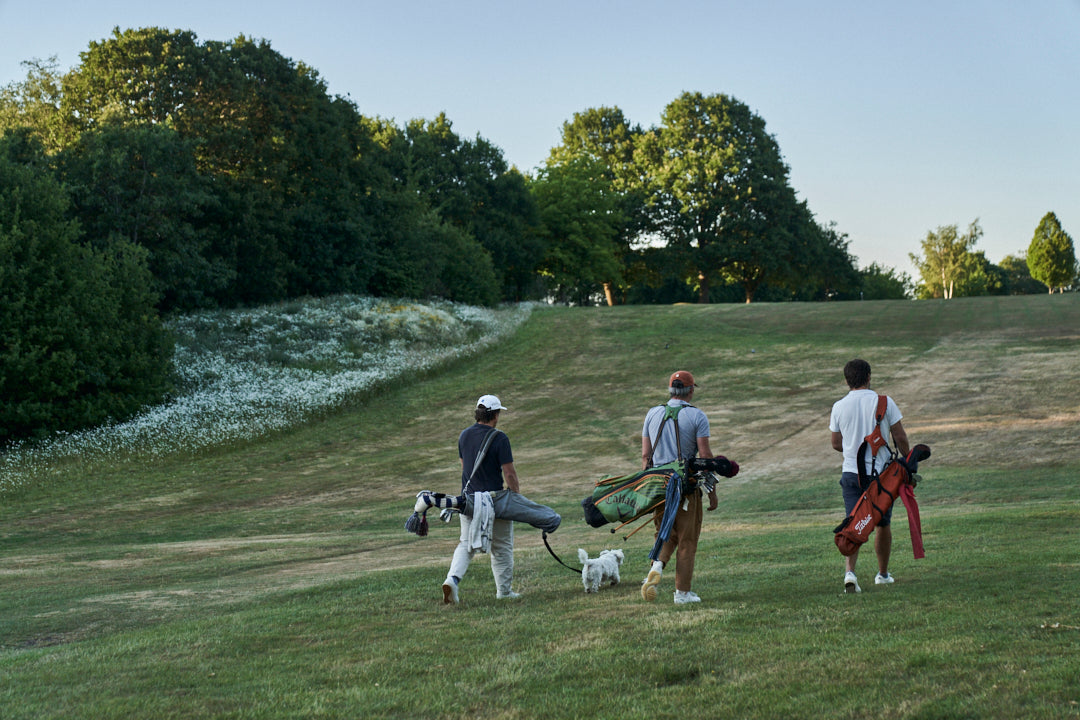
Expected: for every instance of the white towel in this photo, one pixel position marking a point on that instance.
(483, 522)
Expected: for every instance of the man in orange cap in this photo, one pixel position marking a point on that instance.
(677, 431)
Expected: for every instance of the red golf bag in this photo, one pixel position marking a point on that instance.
(881, 491)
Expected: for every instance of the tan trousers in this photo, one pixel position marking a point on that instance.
(683, 539)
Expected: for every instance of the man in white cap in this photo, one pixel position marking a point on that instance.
(486, 462)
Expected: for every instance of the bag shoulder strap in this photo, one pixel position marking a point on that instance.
(875, 440)
(671, 412)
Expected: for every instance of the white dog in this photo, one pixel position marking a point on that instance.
(600, 570)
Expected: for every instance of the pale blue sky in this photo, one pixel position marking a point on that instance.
(895, 118)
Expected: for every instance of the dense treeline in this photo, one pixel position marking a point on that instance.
(183, 174)
(246, 182)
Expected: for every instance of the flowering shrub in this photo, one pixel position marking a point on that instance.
(243, 373)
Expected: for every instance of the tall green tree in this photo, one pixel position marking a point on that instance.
(80, 341)
(418, 251)
(605, 139)
(580, 221)
(820, 265)
(470, 185)
(980, 277)
(718, 188)
(140, 183)
(280, 151)
(945, 259)
(1051, 256)
(604, 136)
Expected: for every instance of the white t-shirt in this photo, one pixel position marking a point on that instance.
(853, 417)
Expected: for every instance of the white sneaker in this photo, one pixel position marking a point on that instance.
(682, 598)
(510, 595)
(851, 584)
(885, 579)
(449, 592)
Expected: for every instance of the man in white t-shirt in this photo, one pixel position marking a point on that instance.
(852, 419)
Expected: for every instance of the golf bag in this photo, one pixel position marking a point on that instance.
(625, 498)
(880, 491)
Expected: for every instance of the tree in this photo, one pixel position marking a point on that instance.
(580, 222)
(80, 342)
(278, 150)
(140, 183)
(34, 105)
(821, 266)
(945, 259)
(604, 137)
(469, 184)
(719, 191)
(1051, 257)
(1017, 274)
(418, 252)
(884, 283)
(980, 277)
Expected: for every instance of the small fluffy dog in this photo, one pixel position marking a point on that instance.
(604, 569)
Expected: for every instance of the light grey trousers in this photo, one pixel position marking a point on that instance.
(502, 553)
(510, 507)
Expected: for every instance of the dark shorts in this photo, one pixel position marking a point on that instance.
(849, 483)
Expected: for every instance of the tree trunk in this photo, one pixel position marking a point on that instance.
(703, 292)
(609, 294)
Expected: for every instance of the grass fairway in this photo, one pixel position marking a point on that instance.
(273, 579)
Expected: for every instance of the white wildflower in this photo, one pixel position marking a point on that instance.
(243, 373)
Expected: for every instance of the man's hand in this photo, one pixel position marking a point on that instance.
(714, 501)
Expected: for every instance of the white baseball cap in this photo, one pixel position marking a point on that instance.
(490, 402)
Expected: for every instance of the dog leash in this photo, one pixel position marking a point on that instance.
(557, 558)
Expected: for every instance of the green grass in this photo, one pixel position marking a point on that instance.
(273, 579)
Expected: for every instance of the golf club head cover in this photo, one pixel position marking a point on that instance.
(417, 524)
(718, 464)
(916, 455)
(423, 501)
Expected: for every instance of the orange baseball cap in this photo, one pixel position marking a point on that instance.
(685, 379)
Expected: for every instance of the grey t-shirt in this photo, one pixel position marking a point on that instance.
(693, 424)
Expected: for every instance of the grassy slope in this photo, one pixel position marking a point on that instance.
(274, 579)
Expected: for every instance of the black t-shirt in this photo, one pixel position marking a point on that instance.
(488, 476)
